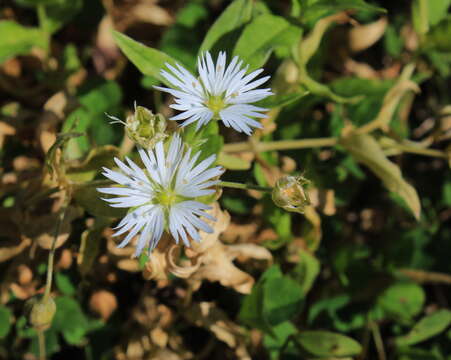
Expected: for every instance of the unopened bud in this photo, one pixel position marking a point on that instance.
(290, 193)
(144, 127)
(41, 312)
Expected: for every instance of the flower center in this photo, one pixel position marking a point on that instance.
(166, 198)
(216, 104)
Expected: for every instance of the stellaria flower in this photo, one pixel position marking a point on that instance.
(162, 195)
(221, 93)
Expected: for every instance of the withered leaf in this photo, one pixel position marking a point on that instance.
(367, 151)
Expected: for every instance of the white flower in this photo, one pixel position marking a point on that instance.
(161, 195)
(221, 92)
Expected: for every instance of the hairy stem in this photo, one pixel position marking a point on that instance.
(279, 145)
(235, 185)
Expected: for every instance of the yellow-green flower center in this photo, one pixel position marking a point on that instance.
(166, 198)
(216, 104)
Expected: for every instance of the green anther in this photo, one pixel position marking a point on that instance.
(216, 104)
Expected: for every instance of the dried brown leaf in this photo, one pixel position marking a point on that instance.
(103, 303)
(42, 228)
(362, 37)
(210, 317)
(8, 251)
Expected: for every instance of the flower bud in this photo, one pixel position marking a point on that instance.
(41, 312)
(290, 193)
(144, 127)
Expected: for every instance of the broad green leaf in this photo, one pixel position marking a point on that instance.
(437, 10)
(148, 60)
(393, 43)
(260, 37)
(367, 151)
(234, 16)
(402, 301)
(64, 284)
(327, 344)
(237, 205)
(306, 270)
(5, 321)
(280, 221)
(273, 343)
(96, 98)
(274, 299)
(426, 328)
(70, 320)
(323, 8)
(16, 39)
(374, 91)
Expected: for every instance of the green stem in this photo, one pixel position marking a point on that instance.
(378, 341)
(279, 145)
(420, 151)
(235, 185)
(41, 340)
(48, 283)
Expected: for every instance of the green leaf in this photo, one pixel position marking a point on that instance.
(70, 320)
(274, 299)
(426, 328)
(402, 301)
(260, 37)
(327, 344)
(16, 39)
(439, 36)
(64, 284)
(306, 270)
(148, 60)
(420, 18)
(273, 343)
(235, 204)
(322, 8)
(5, 321)
(96, 97)
(437, 10)
(57, 13)
(207, 139)
(367, 151)
(234, 16)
